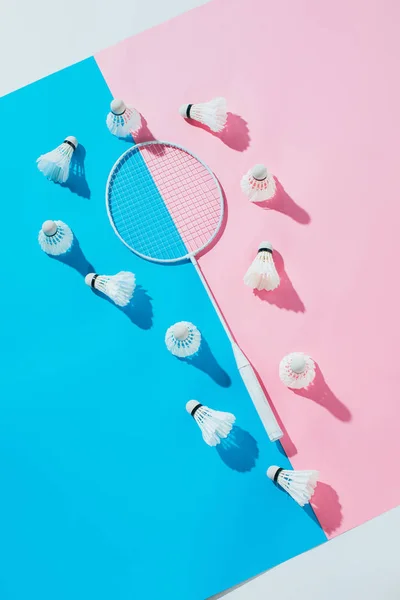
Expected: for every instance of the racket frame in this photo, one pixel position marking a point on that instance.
(189, 255)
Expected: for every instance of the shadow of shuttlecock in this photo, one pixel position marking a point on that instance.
(75, 258)
(76, 181)
(129, 139)
(139, 310)
(205, 361)
(325, 508)
(235, 134)
(239, 451)
(143, 134)
(284, 296)
(283, 203)
(286, 447)
(319, 391)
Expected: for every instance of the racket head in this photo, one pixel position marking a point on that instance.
(163, 202)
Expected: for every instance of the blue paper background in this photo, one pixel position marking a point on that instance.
(107, 489)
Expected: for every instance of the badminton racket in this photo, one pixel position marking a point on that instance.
(167, 206)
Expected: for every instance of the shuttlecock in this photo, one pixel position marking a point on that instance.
(213, 113)
(183, 339)
(123, 120)
(258, 184)
(55, 164)
(214, 424)
(262, 274)
(298, 484)
(55, 237)
(119, 287)
(297, 370)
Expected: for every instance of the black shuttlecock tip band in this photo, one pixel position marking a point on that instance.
(70, 144)
(196, 408)
(277, 474)
(51, 234)
(119, 114)
(262, 179)
(93, 280)
(265, 250)
(189, 106)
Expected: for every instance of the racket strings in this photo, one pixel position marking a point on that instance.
(189, 191)
(164, 203)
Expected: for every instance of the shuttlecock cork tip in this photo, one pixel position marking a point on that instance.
(183, 110)
(259, 172)
(265, 246)
(180, 331)
(118, 107)
(49, 228)
(271, 472)
(191, 405)
(298, 363)
(89, 279)
(72, 140)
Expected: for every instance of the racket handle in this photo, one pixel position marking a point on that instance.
(257, 395)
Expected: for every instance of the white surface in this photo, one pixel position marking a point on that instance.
(38, 38)
(362, 564)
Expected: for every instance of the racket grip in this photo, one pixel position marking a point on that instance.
(257, 395)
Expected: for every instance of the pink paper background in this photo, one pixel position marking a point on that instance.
(314, 93)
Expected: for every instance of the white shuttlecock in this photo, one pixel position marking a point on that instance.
(183, 339)
(298, 484)
(123, 120)
(258, 184)
(55, 237)
(213, 113)
(119, 287)
(214, 424)
(55, 164)
(297, 370)
(262, 273)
